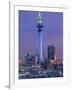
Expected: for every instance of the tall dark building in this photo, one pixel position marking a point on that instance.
(51, 52)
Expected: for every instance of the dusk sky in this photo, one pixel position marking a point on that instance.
(52, 32)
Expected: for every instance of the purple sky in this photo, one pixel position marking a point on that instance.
(52, 32)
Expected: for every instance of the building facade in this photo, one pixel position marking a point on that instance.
(51, 52)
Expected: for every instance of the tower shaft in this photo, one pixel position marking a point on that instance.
(40, 47)
(40, 26)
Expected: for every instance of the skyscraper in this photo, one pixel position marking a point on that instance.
(40, 26)
(51, 52)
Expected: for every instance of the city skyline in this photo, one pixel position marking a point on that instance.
(52, 32)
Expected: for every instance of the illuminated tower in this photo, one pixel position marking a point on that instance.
(40, 26)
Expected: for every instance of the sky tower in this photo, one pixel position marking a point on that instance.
(40, 26)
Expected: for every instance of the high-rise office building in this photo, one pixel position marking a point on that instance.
(29, 59)
(51, 52)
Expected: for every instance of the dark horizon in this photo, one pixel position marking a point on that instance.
(52, 32)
